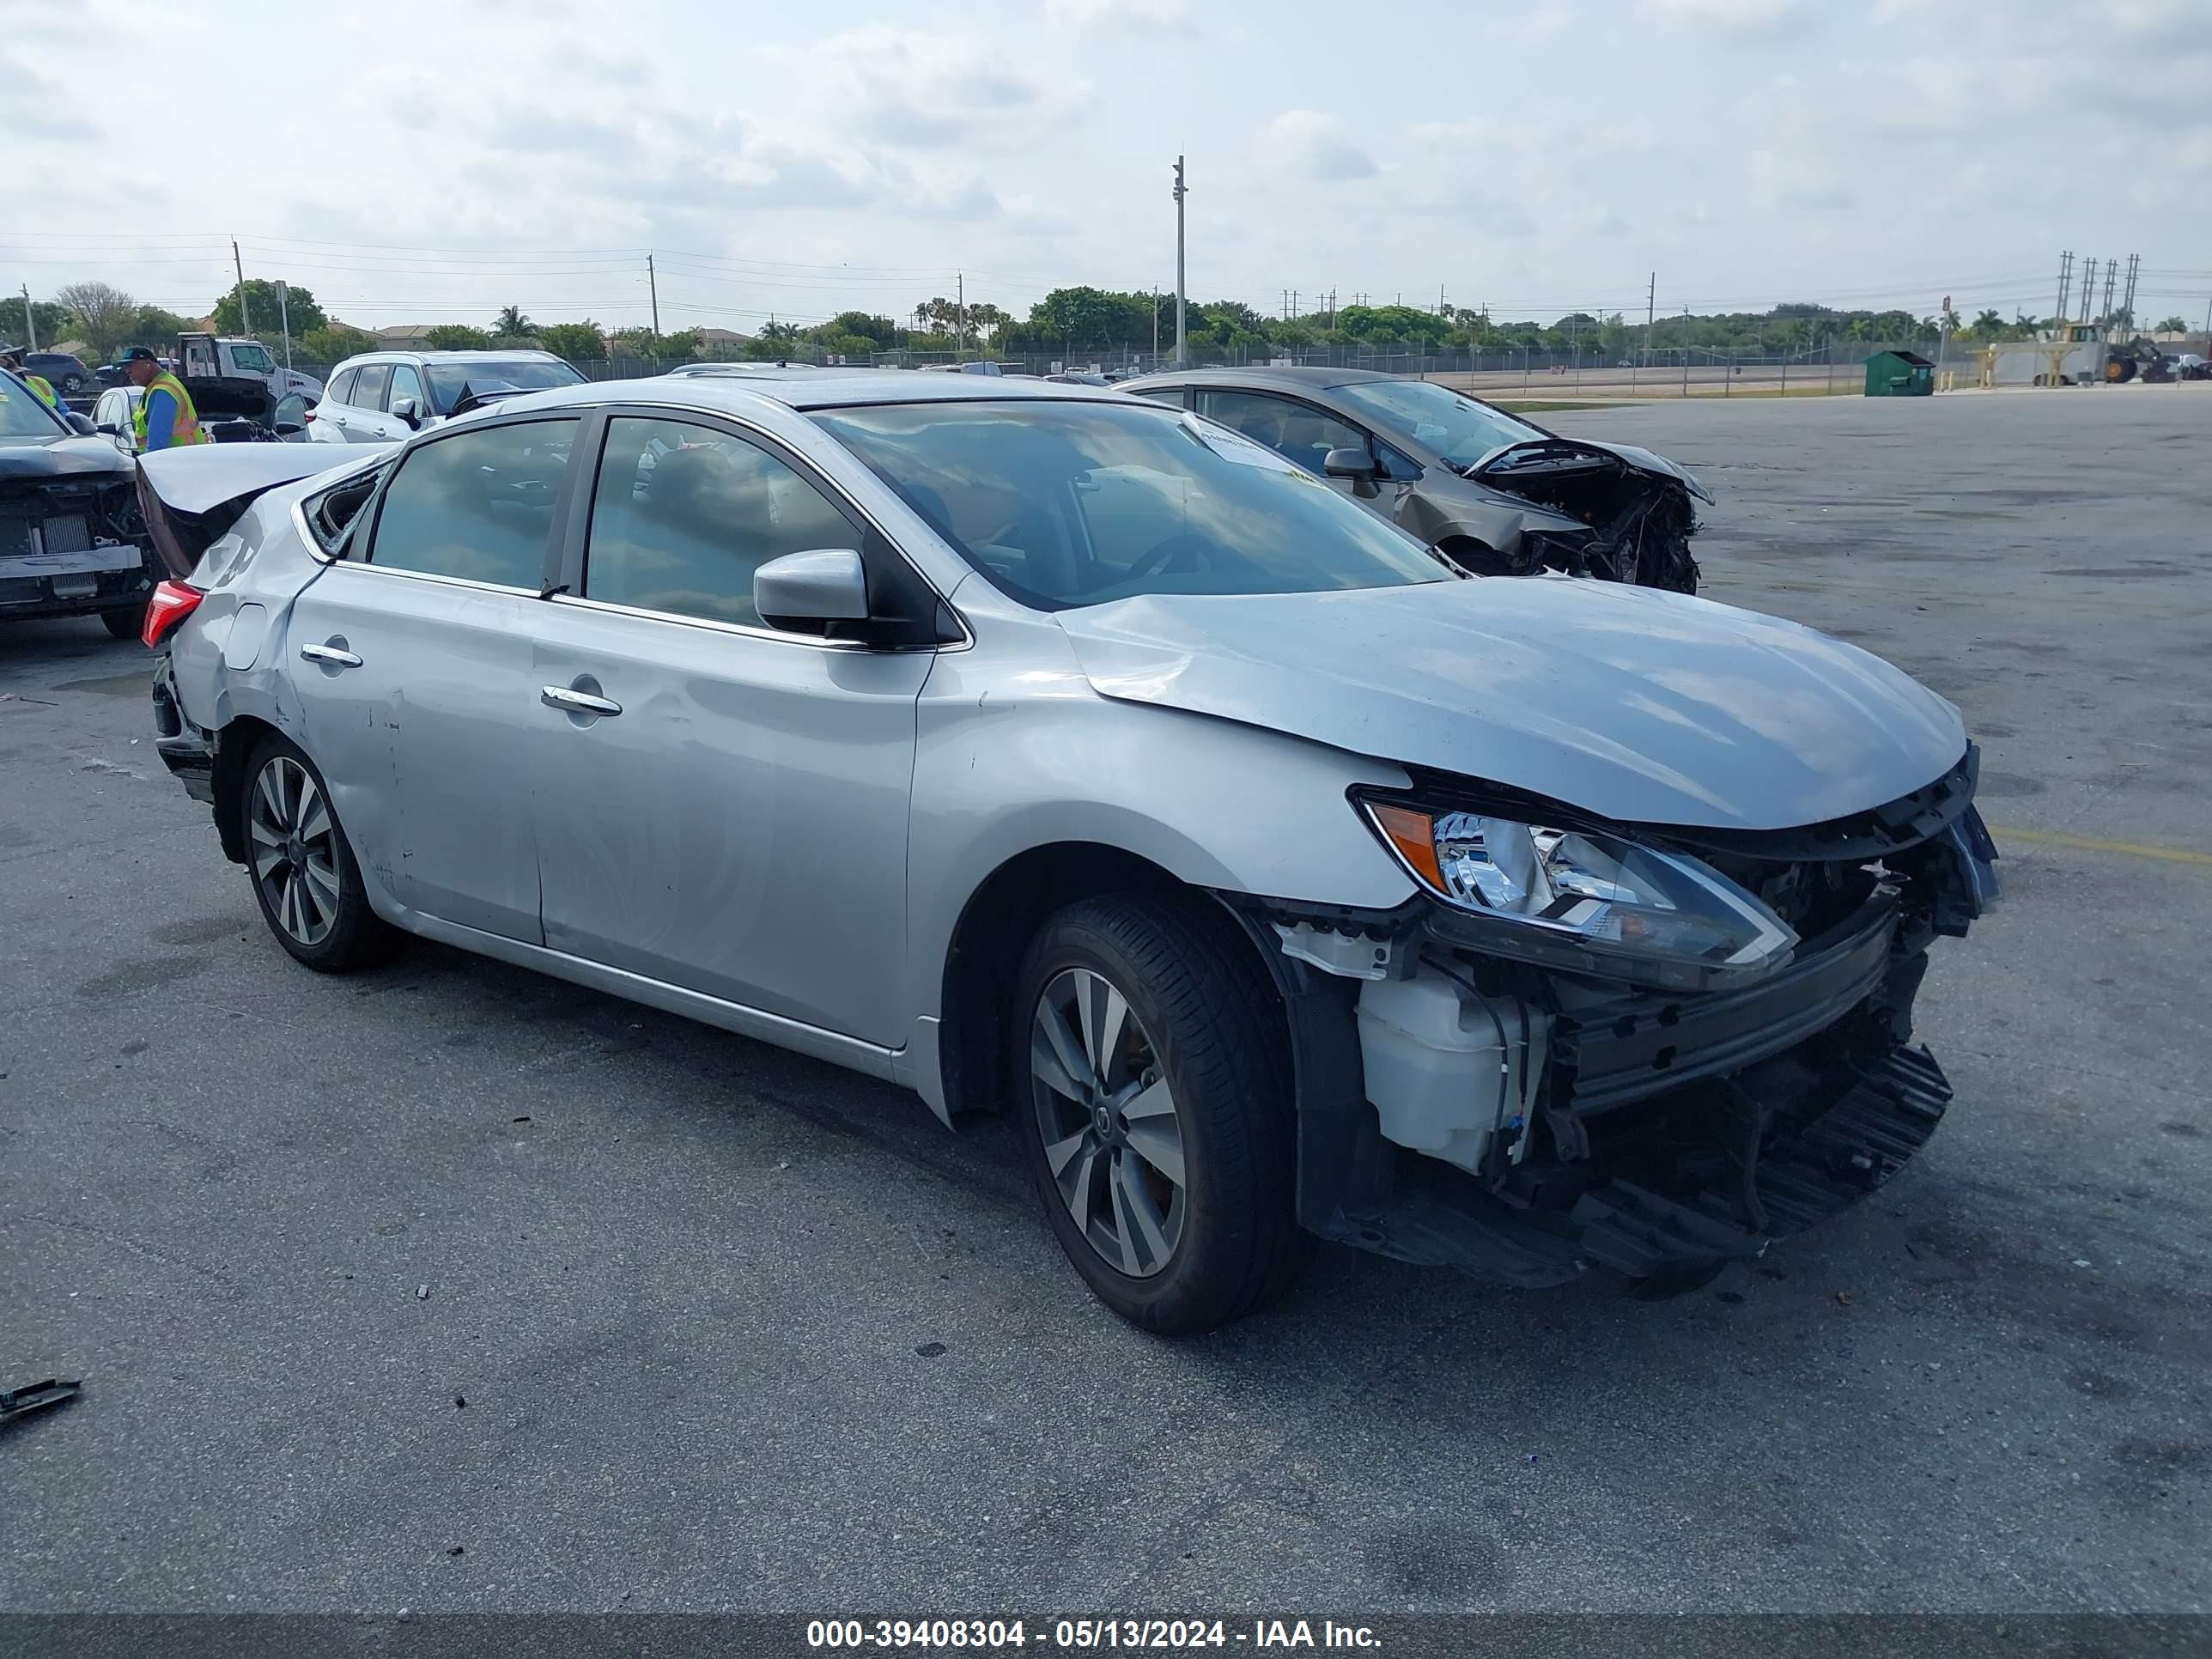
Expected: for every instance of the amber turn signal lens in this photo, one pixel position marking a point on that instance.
(1414, 835)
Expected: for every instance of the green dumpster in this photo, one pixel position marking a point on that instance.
(1899, 374)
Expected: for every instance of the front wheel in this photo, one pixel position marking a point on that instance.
(304, 872)
(1153, 1095)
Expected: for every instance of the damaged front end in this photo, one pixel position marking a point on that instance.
(1638, 507)
(1596, 1090)
(71, 537)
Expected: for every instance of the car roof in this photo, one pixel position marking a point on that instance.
(492, 356)
(1312, 379)
(735, 394)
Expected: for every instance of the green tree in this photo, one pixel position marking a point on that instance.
(512, 324)
(580, 343)
(334, 341)
(681, 347)
(881, 333)
(49, 321)
(457, 337)
(261, 307)
(2173, 325)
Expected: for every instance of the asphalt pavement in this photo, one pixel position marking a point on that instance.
(453, 1287)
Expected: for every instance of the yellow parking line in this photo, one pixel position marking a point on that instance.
(2093, 844)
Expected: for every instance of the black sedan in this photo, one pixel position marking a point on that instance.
(1497, 493)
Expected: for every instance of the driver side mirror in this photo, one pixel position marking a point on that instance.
(403, 408)
(801, 591)
(1354, 463)
(80, 425)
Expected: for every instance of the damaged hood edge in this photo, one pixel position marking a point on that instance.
(64, 457)
(1637, 705)
(1641, 461)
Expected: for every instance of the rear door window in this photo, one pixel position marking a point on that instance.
(369, 386)
(478, 505)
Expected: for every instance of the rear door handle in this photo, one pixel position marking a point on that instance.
(337, 656)
(577, 702)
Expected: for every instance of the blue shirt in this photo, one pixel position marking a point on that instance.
(161, 418)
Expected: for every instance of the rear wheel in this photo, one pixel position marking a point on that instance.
(125, 622)
(304, 874)
(1154, 1097)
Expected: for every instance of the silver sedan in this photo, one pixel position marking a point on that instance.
(1063, 756)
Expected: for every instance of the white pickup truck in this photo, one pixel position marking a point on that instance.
(205, 354)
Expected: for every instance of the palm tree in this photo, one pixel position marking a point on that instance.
(2174, 325)
(512, 324)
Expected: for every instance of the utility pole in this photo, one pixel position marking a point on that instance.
(1182, 295)
(1156, 325)
(2065, 281)
(245, 316)
(1294, 305)
(960, 340)
(1685, 351)
(30, 322)
(284, 321)
(2112, 278)
(1440, 299)
(1650, 315)
(652, 291)
(2128, 302)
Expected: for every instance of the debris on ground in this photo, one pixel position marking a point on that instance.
(421, 1293)
(21, 1402)
(1846, 1297)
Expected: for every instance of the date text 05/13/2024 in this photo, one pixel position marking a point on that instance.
(1085, 1634)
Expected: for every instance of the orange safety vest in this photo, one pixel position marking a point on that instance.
(186, 428)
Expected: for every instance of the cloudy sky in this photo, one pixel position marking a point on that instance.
(414, 161)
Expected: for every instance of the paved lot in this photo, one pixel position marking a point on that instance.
(737, 1330)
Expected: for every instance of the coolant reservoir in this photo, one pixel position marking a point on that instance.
(1436, 1074)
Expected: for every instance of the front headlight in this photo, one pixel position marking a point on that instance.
(1586, 901)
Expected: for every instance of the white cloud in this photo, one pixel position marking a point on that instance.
(1122, 16)
(1742, 20)
(1305, 143)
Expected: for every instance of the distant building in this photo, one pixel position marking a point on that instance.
(402, 337)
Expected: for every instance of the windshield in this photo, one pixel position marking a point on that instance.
(449, 381)
(1458, 428)
(21, 414)
(1063, 504)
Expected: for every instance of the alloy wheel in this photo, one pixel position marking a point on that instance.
(295, 850)
(1107, 1118)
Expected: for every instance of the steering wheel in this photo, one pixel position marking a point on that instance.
(1164, 555)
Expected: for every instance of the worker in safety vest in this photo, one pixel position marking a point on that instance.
(165, 418)
(41, 388)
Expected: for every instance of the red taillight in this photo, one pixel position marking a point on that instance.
(172, 602)
(309, 418)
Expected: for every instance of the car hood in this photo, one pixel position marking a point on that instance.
(1637, 705)
(64, 457)
(1498, 468)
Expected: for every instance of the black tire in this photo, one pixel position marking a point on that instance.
(72, 384)
(1205, 1011)
(354, 937)
(125, 622)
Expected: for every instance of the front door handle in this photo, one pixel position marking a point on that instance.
(577, 702)
(335, 654)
